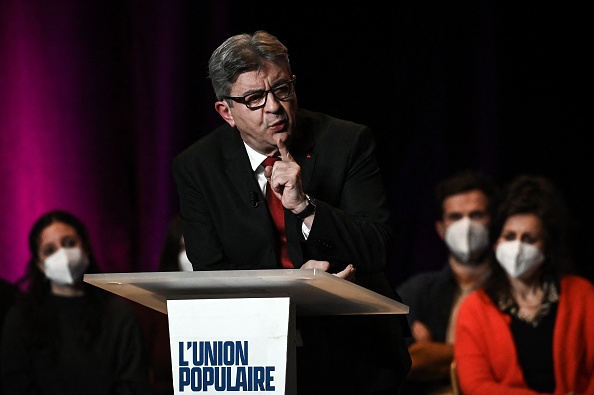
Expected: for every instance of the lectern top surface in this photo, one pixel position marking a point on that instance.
(313, 292)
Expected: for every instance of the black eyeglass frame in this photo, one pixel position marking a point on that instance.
(241, 99)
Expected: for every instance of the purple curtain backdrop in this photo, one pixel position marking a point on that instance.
(97, 97)
(92, 101)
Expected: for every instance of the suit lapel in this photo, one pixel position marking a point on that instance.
(239, 171)
(301, 150)
(237, 167)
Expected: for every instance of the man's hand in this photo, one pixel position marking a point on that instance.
(348, 273)
(430, 360)
(421, 332)
(285, 179)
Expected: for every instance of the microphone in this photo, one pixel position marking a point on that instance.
(254, 199)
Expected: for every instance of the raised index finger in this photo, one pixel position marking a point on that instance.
(283, 151)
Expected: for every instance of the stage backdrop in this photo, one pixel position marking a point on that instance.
(97, 97)
(95, 101)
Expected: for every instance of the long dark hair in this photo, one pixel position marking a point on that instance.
(537, 195)
(34, 280)
(36, 299)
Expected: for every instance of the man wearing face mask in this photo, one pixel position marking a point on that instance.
(465, 202)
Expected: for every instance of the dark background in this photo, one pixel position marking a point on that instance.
(97, 98)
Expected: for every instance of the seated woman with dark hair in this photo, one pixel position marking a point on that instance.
(530, 330)
(64, 336)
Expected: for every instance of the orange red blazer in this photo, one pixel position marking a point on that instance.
(485, 354)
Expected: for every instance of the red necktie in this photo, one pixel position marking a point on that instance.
(278, 216)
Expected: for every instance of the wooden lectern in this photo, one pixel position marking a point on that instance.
(227, 327)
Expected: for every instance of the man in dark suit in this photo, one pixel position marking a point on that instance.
(336, 216)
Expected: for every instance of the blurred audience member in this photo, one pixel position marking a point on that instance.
(465, 202)
(154, 323)
(64, 336)
(530, 329)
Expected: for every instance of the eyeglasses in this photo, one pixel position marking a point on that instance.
(258, 99)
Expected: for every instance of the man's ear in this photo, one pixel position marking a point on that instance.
(222, 107)
(440, 229)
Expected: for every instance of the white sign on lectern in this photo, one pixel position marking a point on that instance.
(229, 345)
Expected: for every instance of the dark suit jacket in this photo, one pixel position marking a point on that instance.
(223, 229)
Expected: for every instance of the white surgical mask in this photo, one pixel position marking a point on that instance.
(66, 266)
(466, 239)
(519, 259)
(184, 262)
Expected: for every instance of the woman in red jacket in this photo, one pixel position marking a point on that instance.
(530, 330)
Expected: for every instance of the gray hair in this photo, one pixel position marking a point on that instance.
(242, 53)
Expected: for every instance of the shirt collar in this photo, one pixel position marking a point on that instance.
(256, 158)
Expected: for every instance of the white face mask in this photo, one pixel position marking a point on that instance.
(519, 259)
(467, 240)
(66, 266)
(184, 262)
